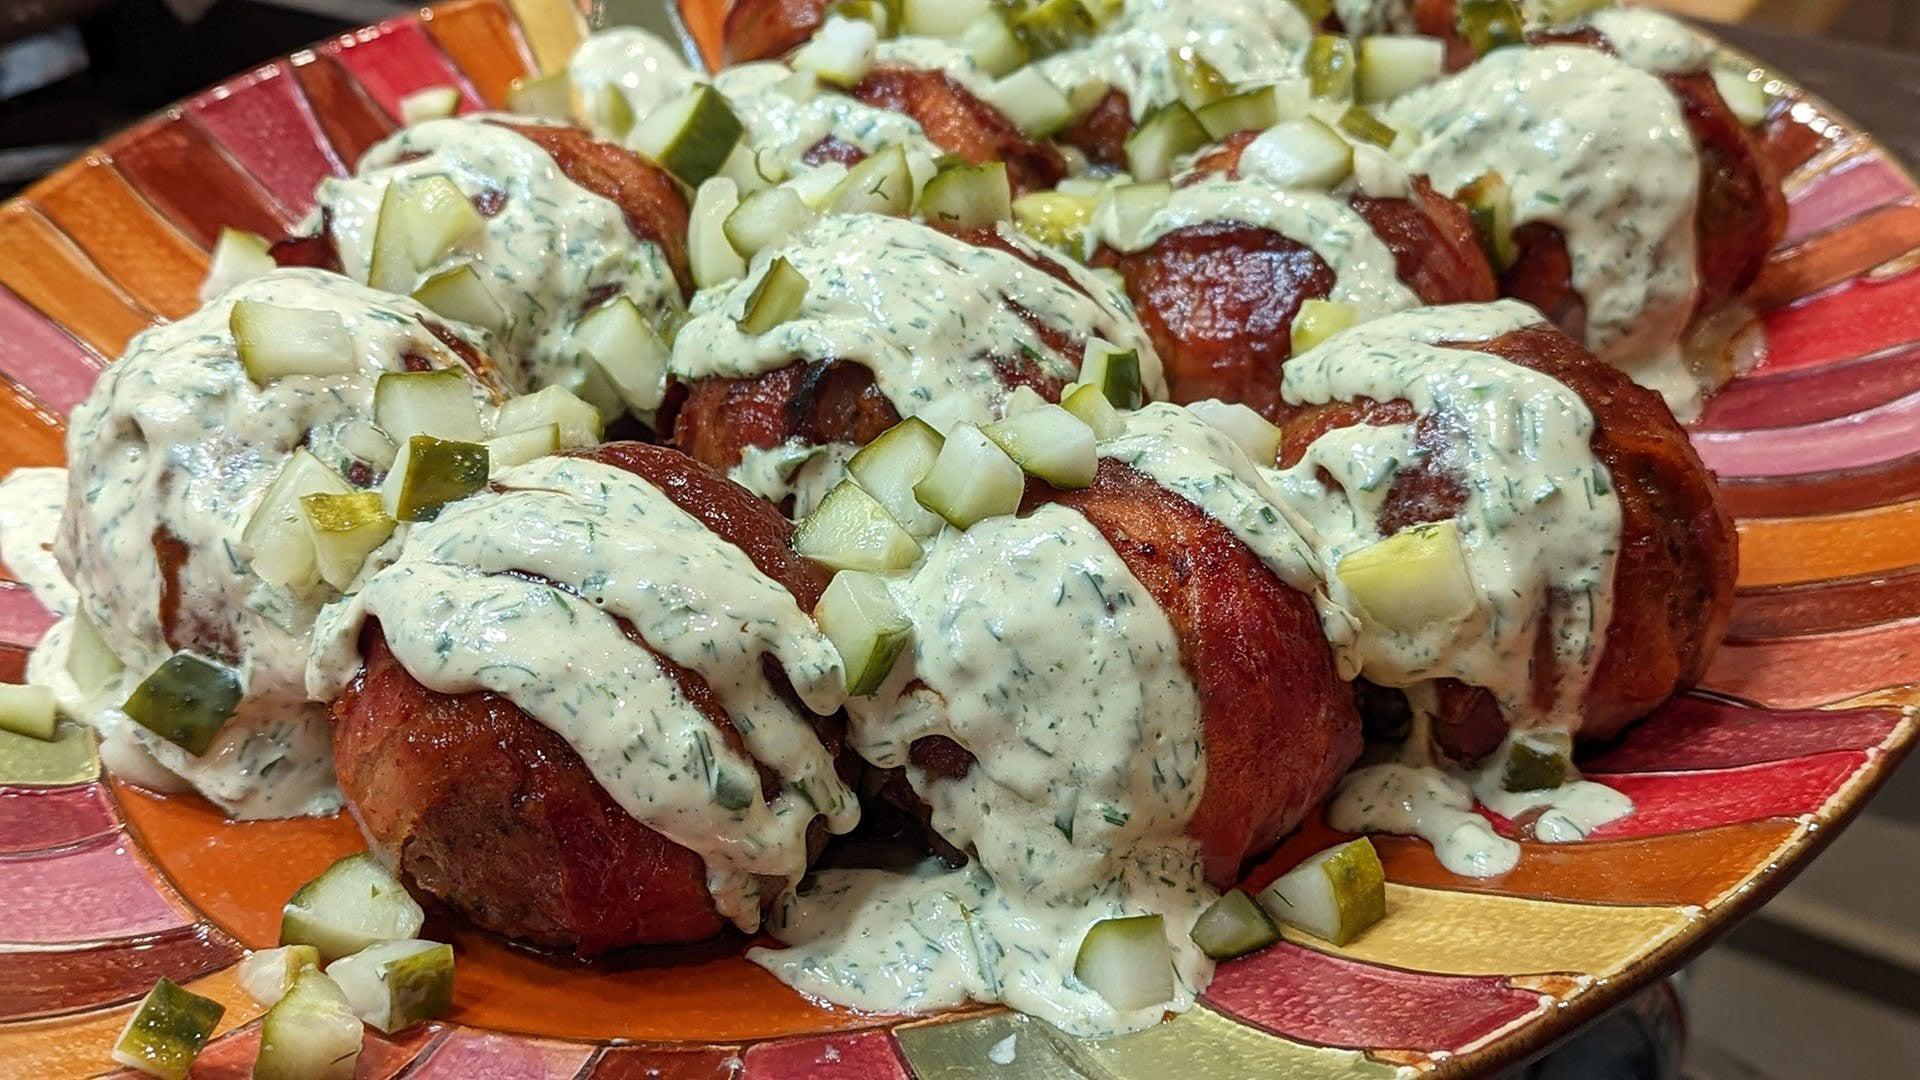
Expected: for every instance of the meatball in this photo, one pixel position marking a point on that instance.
(499, 816)
(568, 222)
(1672, 585)
(962, 125)
(930, 320)
(1219, 298)
(1278, 727)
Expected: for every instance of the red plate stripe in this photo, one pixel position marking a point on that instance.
(1860, 185)
(266, 125)
(1695, 732)
(1680, 802)
(862, 1055)
(36, 354)
(96, 890)
(397, 58)
(47, 982)
(1313, 997)
(32, 819)
(1853, 320)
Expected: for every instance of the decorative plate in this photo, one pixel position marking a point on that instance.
(1806, 709)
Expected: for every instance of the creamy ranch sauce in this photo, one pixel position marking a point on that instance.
(1247, 41)
(922, 310)
(31, 501)
(1600, 150)
(1087, 731)
(1651, 41)
(1364, 269)
(1540, 532)
(1435, 801)
(1360, 17)
(793, 469)
(630, 62)
(614, 547)
(176, 436)
(551, 244)
(783, 121)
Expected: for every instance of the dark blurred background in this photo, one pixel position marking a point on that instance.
(1824, 982)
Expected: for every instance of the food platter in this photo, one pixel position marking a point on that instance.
(1803, 713)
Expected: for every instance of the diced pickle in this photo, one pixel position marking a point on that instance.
(1127, 961)
(1056, 220)
(840, 53)
(971, 480)
(1414, 577)
(267, 974)
(278, 547)
(396, 984)
(1334, 895)
(870, 631)
(624, 346)
(1538, 761)
(27, 710)
(968, 197)
(186, 701)
(422, 218)
(438, 403)
(1134, 205)
(1317, 320)
(1048, 442)
(1090, 404)
(1046, 27)
(1167, 133)
(459, 293)
(778, 298)
(766, 218)
(712, 259)
(890, 466)
(1299, 153)
(311, 1033)
(429, 103)
(1199, 82)
(1360, 123)
(345, 529)
(1330, 66)
(1233, 925)
(851, 530)
(1115, 371)
(881, 184)
(1253, 110)
(237, 256)
(994, 46)
(274, 341)
(1490, 202)
(580, 423)
(1250, 431)
(167, 1031)
(548, 96)
(1388, 65)
(1490, 24)
(507, 451)
(429, 473)
(690, 136)
(354, 903)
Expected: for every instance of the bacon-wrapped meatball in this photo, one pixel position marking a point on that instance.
(897, 319)
(573, 707)
(565, 224)
(1598, 564)
(182, 532)
(1639, 200)
(1113, 699)
(1219, 274)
